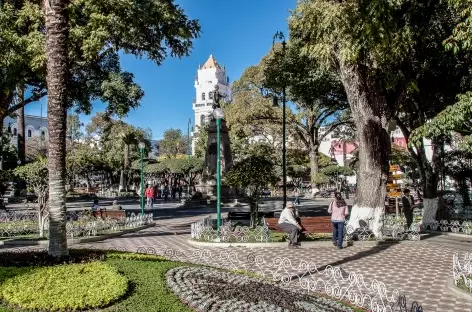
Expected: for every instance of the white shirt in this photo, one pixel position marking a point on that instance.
(287, 217)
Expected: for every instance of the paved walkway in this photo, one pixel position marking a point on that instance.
(418, 269)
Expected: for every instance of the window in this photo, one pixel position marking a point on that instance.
(30, 134)
(203, 96)
(210, 95)
(202, 120)
(15, 132)
(43, 133)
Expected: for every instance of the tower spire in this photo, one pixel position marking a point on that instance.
(211, 63)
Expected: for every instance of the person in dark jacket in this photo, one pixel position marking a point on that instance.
(408, 203)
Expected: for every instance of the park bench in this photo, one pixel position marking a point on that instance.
(311, 224)
(235, 216)
(110, 214)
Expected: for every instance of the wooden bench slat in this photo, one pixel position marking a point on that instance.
(311, 224)
(112, 214)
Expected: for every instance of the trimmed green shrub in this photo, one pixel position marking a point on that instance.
(65, 287)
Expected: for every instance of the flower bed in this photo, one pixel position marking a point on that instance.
(206, 289)
(64, 287)
(146, 275)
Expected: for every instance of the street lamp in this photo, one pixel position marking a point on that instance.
(141, 150)
(188, 156)
(280, 36)
(218, 114)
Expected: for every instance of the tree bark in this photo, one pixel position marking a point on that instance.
(369, 110)
(2, 118)
(20, 121)
(314, 166)
(429, 181)
(57, 23)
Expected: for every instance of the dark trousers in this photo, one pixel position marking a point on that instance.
(292, 230)
(409, 217)
(338, 233)
(297, 200)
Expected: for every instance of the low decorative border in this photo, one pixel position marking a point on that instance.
(306, 276)
(462, 269)
(455, 226)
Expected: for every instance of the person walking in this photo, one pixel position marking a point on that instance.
(165, 192)
(149, 196)
(297, 196)
(339, 211)
(180, 189)
(288, 223)
(408, 202)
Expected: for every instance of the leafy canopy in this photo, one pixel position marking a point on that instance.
(100, 31)
(173, 143)
(35, 174)
(253, 172)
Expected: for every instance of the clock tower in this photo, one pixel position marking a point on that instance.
(209, 76)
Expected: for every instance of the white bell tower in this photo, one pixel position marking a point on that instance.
(210, 75)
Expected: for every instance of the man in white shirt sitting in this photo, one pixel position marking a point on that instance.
(288, 223)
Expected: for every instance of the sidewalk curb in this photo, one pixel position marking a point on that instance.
(72, 241)
(448, 234)
(320, 244)
(452, 288)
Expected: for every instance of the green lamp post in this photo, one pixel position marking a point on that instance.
(280, 36)
(141, 150)
(189, 152)
(218, 114)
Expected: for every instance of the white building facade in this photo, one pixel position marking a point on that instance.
(35, 126)
(209, 76)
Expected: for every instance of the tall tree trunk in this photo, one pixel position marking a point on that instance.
(57, 23)
(314, 166)
(368, 108)
(429, 174)
(2, 118)
(20, 121)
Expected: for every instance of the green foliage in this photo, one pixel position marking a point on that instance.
(335, 171)
(369, 33)
(36, 175)
(298, 172)
(201, 139)
(73, 131)
(173, 143)
(83, 160)
(100, 31)
(254, 172)
(73, 286)
(111, 136)
(456, 118)
(5, 177)
(319, 179)
(8, 151)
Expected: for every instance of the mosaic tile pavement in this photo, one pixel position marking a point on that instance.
(417, 269)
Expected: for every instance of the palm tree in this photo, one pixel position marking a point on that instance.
(57, 31)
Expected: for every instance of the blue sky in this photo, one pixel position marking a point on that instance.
(238, 33)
